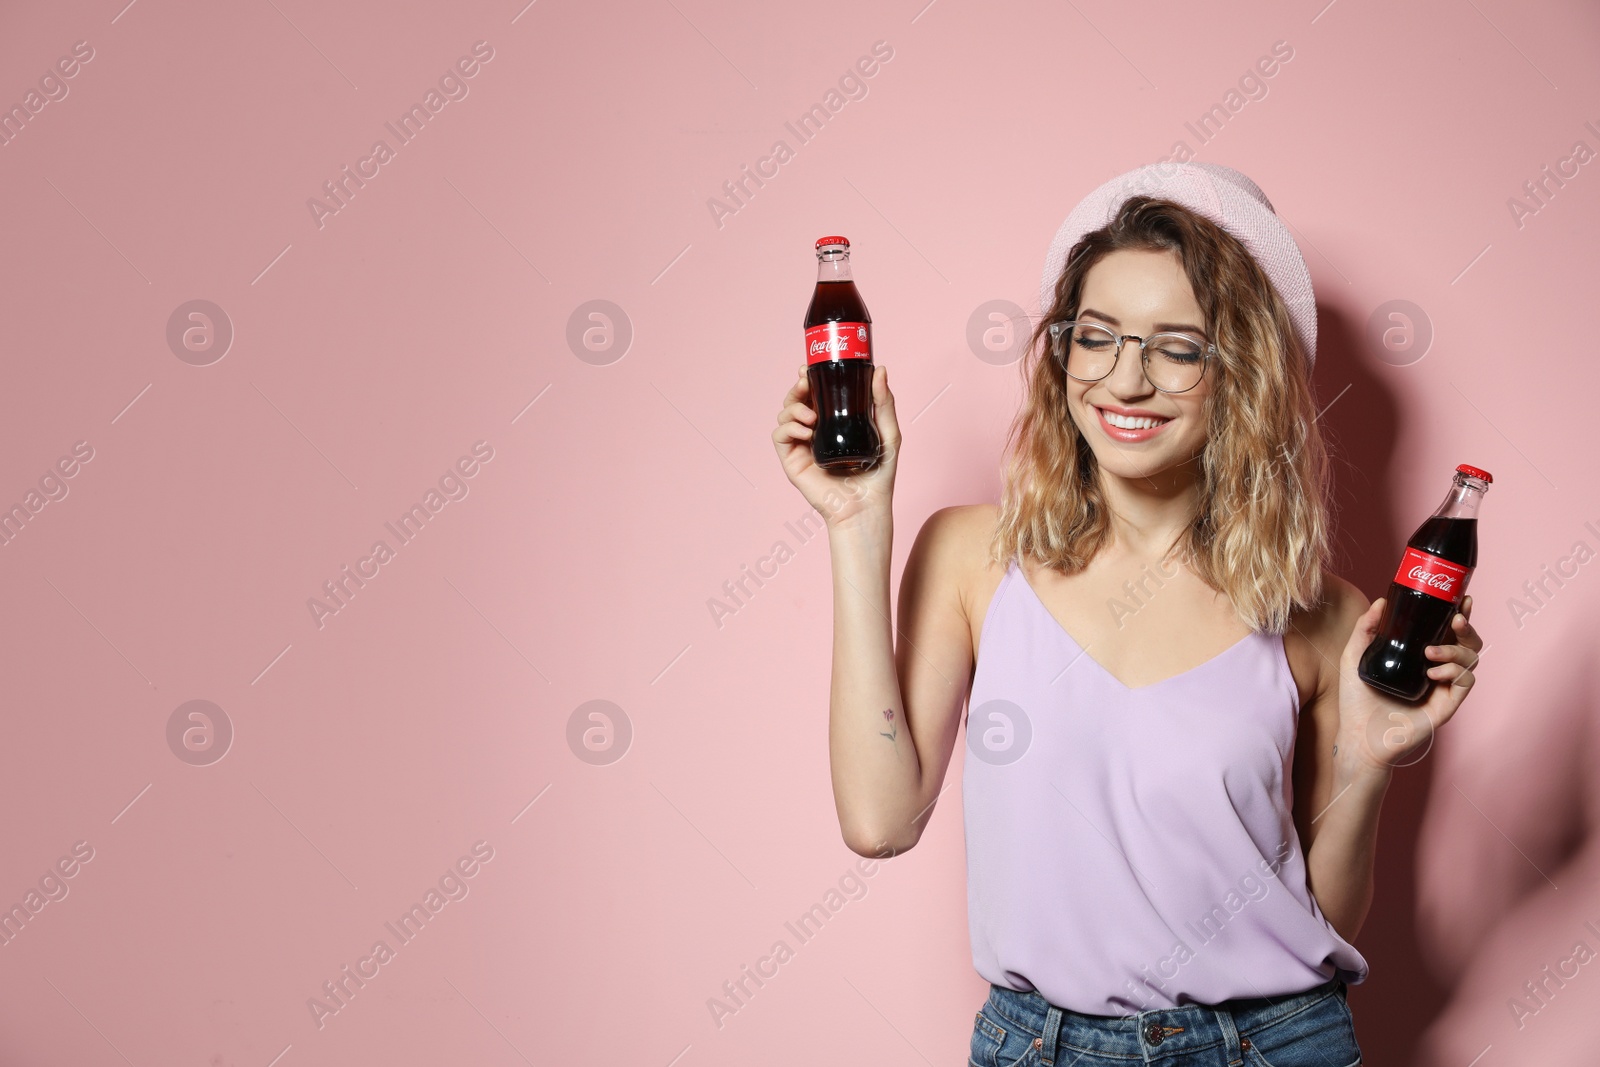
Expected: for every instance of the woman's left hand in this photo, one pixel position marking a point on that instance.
(1384, 731)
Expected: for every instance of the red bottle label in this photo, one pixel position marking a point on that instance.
(838, 340)
(1429, 574)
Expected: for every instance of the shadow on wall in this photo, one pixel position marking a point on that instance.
(1397, 1001)
(1508, 862)
(1484, 932)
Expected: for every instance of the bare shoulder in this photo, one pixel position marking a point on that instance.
(949, 565)
(952, 552)
(1317, 637)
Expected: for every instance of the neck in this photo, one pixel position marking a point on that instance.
(1149, 514)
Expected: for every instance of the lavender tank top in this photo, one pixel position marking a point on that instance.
(1133, 849)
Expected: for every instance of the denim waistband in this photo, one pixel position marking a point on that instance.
(1158, 1032)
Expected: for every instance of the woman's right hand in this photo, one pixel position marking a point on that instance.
(840, 499)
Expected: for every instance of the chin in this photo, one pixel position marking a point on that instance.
(1131, 467)
(1135, 462)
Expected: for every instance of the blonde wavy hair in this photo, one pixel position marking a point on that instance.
(1261, 534)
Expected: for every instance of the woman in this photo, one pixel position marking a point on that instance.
(1174, 774)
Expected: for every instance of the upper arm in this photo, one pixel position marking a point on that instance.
(933, 643)
(1328, 629)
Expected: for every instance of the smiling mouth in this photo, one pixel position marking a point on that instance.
(1131, 422)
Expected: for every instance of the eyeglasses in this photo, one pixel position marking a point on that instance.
(1174, 362)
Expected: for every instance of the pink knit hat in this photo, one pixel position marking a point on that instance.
(1222, 195)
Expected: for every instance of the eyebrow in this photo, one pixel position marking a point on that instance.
(1159, 326)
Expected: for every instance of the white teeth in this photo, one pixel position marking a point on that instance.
(1123, 422)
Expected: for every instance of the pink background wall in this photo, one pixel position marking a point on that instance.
(617, 488)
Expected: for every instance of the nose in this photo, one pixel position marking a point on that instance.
(1127, 379)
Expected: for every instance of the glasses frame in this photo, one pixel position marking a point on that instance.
(1207, 354)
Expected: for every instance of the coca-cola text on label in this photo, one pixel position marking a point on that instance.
(838, 340)
(1429, 574)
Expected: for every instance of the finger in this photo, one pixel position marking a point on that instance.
(791, 432)
(1462, 654)
(883, 403)
(1367, 625)
(800, 390)
(799, 412)
(1362, 634)
(1467, 634)
(1454, 689)
(1463, 632)
(1443, 702)
(1451, 673)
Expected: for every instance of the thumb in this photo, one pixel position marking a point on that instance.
(1366, 629)
(883, 407)
(1374, 615)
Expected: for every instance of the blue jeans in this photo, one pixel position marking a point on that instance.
(1310, 1029)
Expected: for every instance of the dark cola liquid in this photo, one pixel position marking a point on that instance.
(1411, 620)
(846, 437)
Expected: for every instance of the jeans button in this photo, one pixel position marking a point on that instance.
(1152, 1034)
(1244, 1043)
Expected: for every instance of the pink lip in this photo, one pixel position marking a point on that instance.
(1130, 436)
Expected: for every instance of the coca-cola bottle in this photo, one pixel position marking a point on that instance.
(1427, 590)
(839, 366)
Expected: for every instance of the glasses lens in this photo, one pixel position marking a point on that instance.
(1175, 362)
(1089, 351)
